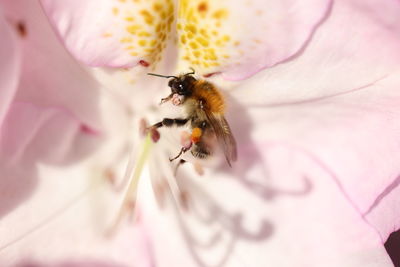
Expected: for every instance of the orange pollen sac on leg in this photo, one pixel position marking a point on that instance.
(196, 134)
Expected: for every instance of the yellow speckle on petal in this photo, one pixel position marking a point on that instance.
(197, 54)
(126, 40)
(193, 45)
(153, 42)
(204, 33)
(191, 28)
(148, 18)
(190, 35)
(157, 7)
(226, 38)
(183, 39)
(202, 41)
(144, 34)
(132, 29)
(220, 14)
(142, 42)
(115, 11)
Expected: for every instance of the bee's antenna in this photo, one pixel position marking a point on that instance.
(190, 73)
(162, 76)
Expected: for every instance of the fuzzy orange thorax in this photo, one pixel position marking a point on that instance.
(214, 99)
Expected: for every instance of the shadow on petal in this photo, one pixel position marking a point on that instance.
(251, 155)
(224, 228)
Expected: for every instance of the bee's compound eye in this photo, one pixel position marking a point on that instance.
(170, 83)
(181, 89)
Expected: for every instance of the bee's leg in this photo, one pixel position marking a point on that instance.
(166, 99)
(183, 150)
(181, 162)
(170, 122)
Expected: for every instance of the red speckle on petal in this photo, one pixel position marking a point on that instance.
(21, 29)
(87, 130)
(144, 63)
(202, 7)
(210, 74)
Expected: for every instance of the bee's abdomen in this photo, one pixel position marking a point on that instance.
(211, 96)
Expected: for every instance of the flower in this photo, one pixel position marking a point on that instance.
(316, 180)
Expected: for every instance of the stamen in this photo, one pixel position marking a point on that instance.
(143, 127)
(184, 200)
(155, 135)
(131, 193)
(169, 177)
(110, 177)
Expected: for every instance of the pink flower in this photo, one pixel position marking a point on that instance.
(317, 175)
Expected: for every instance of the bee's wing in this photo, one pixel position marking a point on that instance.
(224, 135)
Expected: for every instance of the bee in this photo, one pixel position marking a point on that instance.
(204, 106)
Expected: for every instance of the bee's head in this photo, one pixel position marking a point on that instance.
(182, 85)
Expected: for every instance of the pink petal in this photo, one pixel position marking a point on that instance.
(33, 135)
(54, 115)
(331, 66)
(9, 66)
(354, 137)
(354, 98)
(239, 38)
(112, 33)
(66, 220)
(70, 207)
(50, 77)
(52, 125)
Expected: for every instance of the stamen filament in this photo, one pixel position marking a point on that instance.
(130, 196)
